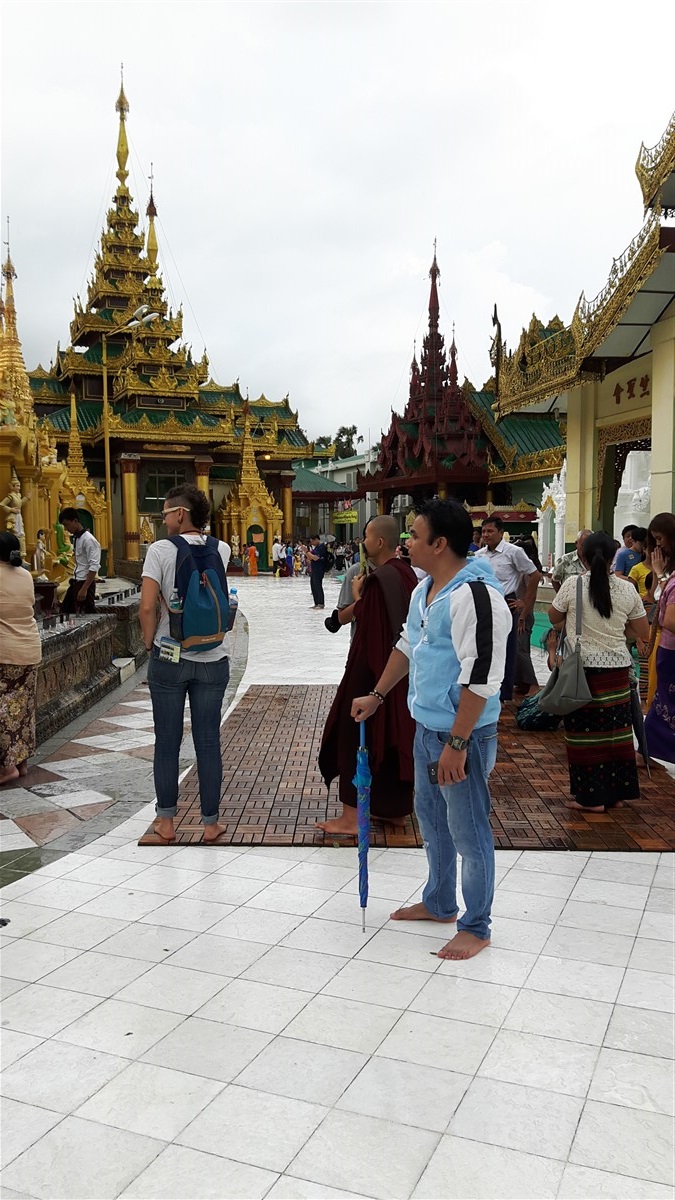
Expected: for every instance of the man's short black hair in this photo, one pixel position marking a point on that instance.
(448, 519)
(194, 500)
(496, 521)
(628, 529)
(69, 514)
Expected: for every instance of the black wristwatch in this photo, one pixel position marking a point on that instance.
(457, 743)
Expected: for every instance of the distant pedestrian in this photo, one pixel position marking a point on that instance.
(81, 594)
(20, 654)
(512, 567)
(317, 569)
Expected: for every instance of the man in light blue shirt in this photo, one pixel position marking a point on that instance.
(453, 647)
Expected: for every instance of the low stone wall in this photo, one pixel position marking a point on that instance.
(127, 569)
(127, 637)
(76, 671)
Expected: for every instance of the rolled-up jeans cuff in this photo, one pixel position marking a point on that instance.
(166, 814)
(210, 820)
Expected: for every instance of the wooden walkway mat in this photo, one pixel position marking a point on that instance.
(273, 793)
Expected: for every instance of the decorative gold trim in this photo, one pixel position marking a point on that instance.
(616, 435)
(654, 165)
(540, 369)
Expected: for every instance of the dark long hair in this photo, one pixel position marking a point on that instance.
(598, 552)
(529, 545)
(10, 550)
(663, 523)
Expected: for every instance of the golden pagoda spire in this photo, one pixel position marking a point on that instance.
(12, 365)
(151, 213)
(77, 472)
(122, 107)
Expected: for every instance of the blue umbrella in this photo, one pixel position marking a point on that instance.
(362, 781)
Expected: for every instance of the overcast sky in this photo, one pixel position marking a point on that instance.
(306, 155)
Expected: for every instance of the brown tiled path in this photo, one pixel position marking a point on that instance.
(273, 793)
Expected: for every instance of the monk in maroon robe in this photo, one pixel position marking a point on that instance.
(382, 600)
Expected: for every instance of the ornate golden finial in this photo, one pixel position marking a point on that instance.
(9, 275)
(122, 107)
(77, 471)
(151, 213)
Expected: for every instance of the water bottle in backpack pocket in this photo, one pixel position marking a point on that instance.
(199, 612)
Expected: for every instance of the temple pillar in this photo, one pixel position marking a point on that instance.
(381, 505)
(203, 465)
(663, 416)
(287, 478)
(582, 480)
(442, 491)
(129, 464)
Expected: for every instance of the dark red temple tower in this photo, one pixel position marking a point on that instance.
(437, 446)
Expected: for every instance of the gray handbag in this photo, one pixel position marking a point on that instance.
(567, 687)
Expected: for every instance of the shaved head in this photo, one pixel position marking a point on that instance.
(387, 529)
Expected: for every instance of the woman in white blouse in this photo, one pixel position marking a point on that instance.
(599, 736)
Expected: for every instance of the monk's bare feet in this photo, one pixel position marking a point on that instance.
(418, 912)
(8, 775)
(344, 826)
(586, 807)
(463, 945)
(22, 768)
(213, 834)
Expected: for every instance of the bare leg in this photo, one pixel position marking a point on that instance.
(8, 775)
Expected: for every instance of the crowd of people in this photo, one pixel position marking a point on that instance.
(457, 606)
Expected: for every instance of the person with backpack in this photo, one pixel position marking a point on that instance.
(184, 615)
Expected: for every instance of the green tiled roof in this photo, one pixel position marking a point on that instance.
(308, 481)
(52, 385)
(95, 353)
(528, 432)
(88, 416)
(221, 471)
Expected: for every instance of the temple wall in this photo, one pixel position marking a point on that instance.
(76, 671)
(663, 413)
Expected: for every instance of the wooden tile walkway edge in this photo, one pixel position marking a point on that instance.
(273, 793)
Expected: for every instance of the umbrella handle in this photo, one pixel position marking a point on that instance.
(362, 734)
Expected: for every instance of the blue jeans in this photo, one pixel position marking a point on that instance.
(204, 683)
(456, 819)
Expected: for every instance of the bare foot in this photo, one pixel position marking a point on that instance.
(164, 829)
(463, 945)
(22, 768)
(8, 776)
(418, 912)
(397, 822)
(213, 833)
(345, 826)
(586, 807)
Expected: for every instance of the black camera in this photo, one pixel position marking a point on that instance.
(332, 622)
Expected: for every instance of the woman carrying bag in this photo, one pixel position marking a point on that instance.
(599, 736)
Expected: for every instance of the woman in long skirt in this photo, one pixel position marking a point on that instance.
(599, 736)
(20, 654)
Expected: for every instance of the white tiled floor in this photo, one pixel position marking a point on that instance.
(212, 1023)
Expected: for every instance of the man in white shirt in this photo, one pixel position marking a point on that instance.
(276, 556)
(81, 594)
(512, 567)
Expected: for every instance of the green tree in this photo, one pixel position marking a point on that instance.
(346, 441)
(322, 442)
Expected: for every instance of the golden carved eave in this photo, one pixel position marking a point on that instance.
(554, 365)
(654, 164)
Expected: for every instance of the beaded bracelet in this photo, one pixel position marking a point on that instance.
(377, 694)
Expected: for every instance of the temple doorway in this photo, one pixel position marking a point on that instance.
(256, 536)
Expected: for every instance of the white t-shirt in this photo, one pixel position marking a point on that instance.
(160, 565)
(603, 641)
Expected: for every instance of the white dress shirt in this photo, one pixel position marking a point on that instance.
(87, 555)
(509, 563)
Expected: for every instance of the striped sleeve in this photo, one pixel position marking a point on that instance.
(480, 625)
